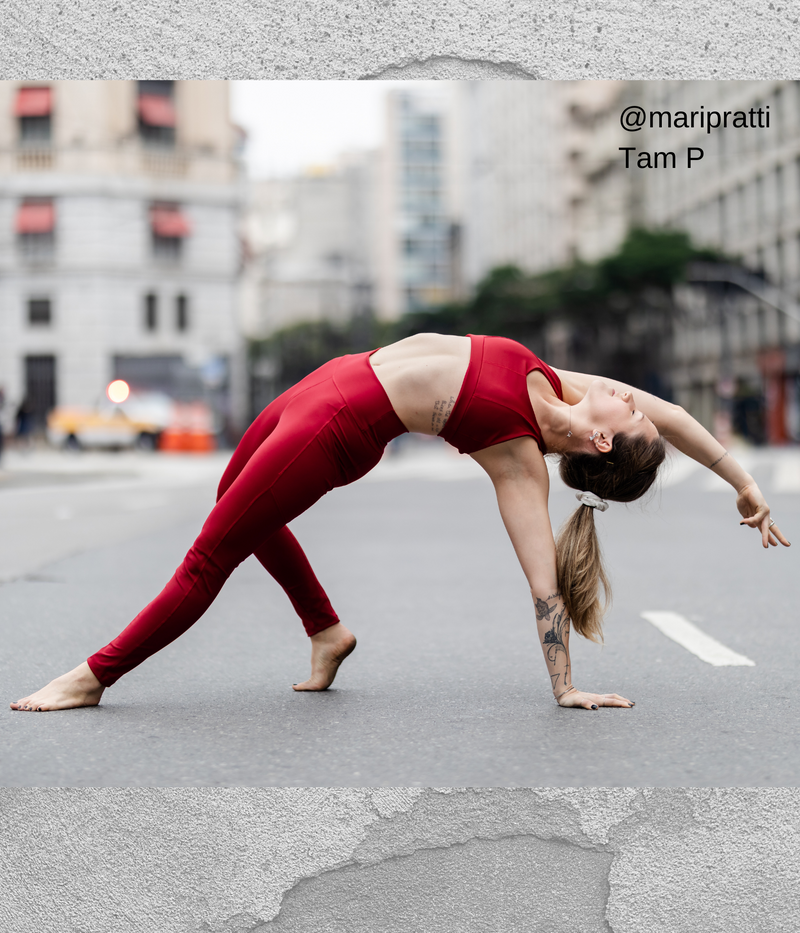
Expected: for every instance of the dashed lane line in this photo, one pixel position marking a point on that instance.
(691, 638)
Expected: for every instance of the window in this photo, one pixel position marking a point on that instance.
(166, 249)
(156, 110)
(150, 312)
(777, 114)
(35, 229)
(39, 312)
(34, 131)
(182, 312)
(780, 265)
(32, 108)
(168, 227)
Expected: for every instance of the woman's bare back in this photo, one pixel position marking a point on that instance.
(422, 376)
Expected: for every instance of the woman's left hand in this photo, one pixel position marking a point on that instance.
(755, 511)
(577, 698)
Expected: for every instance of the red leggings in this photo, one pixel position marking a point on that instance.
(328, 430)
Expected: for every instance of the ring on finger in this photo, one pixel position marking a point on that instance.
(771, 523)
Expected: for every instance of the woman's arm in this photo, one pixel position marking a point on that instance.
(692, 439)
(688, 436)
(521, 483)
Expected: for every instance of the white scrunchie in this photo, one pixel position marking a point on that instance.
(593, 501)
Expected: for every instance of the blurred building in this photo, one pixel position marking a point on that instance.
(737, 341)
(514, 184)
(743, 196)
(311, 242)
(419, 240)
(603, 198)
(119, 251)
(540, 182)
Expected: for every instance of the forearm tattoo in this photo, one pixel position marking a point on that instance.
(542, 609)
(553, 642)
(441, 412)
(718, 459)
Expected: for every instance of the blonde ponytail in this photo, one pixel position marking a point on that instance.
(624, 474)
(580, 574)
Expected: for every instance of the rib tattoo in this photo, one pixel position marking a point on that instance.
(441, 412)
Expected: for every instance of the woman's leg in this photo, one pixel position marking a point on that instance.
(281, 554)
(316, 444)
(289, 471)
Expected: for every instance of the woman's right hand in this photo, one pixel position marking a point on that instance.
(755, 513)
(575, 698)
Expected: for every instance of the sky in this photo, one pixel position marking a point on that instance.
(292, 125)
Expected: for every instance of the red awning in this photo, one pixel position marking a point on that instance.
(169, 222)
(35, 218)
(156, 110)
(33, 102)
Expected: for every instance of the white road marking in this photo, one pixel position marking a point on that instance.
(689, 636)
(786, 477)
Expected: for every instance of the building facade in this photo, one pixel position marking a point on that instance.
(119, 244)
(311, 243)
(737, 346)
(539, 182)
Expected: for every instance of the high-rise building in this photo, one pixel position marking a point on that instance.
(119, 246)
(419, 241)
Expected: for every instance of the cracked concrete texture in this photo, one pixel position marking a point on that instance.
(611, 860)
(393, 38)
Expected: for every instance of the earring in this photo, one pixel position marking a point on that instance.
(594, 435)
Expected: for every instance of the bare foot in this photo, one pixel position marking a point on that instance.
(328, 649)
(77, 688)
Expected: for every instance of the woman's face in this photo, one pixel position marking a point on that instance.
(613, 413)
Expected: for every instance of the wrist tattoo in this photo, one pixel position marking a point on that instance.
(718, 459)
(554, 645)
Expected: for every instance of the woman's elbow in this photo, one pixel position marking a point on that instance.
(543, 587)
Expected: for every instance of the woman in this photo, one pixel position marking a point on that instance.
(487, 396)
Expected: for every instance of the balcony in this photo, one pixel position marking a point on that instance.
(163, 162)
(34, 159)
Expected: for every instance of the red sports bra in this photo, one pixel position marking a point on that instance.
(493, 405)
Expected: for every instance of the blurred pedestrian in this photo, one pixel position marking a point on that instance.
(24, 423)
(2, 414)
(332, 427)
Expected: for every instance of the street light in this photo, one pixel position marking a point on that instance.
(118, 390)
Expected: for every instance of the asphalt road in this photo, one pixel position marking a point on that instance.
(447, 686)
